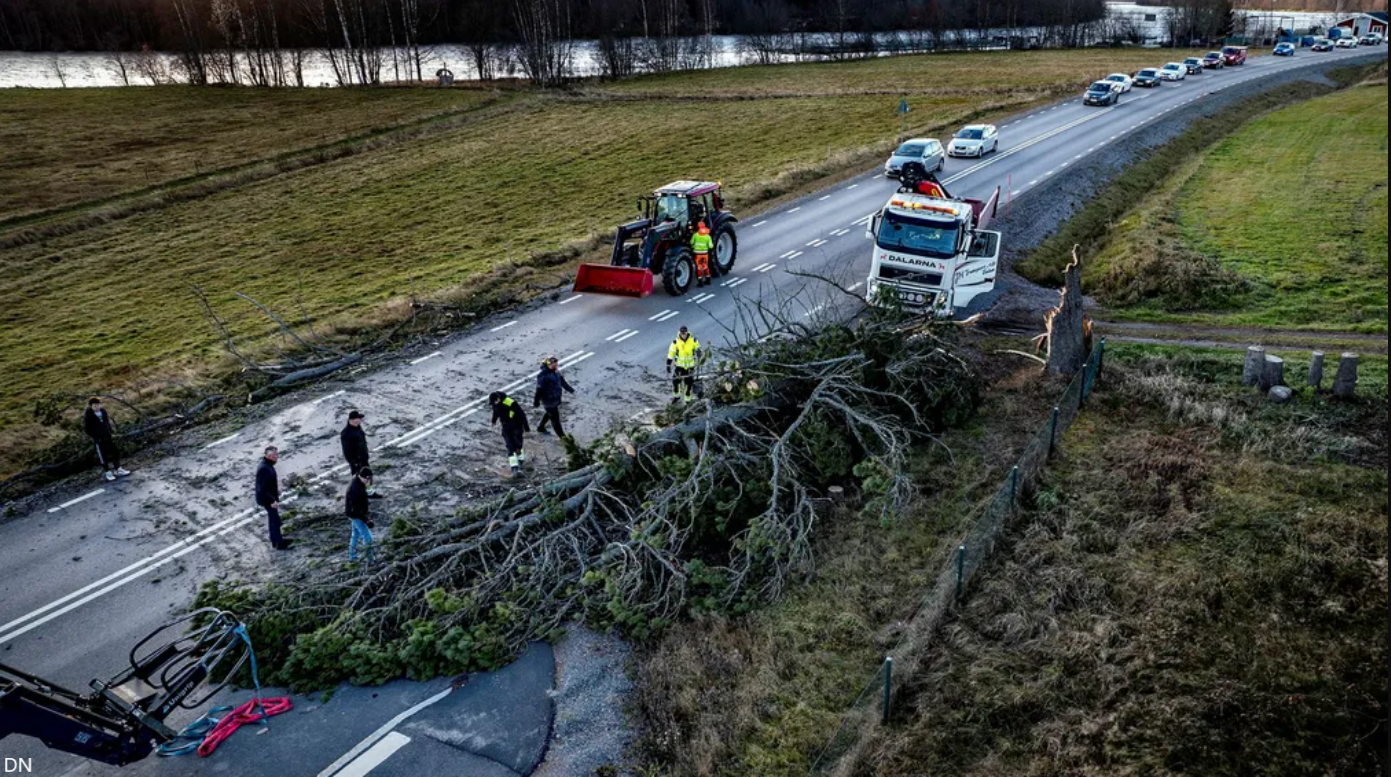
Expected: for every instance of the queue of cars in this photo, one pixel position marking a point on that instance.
(1108, 90)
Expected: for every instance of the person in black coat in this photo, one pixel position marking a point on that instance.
(268, 496)
(358, 507)
(96, 422)
(353, 439)
(514, 425)
(551, 387)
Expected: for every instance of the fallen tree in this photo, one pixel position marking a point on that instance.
(715, 512)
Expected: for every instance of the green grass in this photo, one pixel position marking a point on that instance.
(1199, 587)
(1282, 224)
(105, 304)
(67, 146)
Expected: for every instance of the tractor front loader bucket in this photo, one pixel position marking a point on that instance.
(614, 281)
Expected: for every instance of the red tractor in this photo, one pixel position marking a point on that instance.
(660, 243)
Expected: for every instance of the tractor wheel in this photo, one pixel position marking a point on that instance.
(726, 251)
(678, 271)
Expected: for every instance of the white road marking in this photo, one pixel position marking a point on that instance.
(814, 310)
(571, 299)
(1026, 144)
(739, 282)
(1050, 172)
(1064, 164)
(1091, 149)
(794, 210)
(437, 427)
(375, 755)
(794, 254)
(659, 315)
(839, 232)
(699, 298)
(1079, 156)
(228, 438)
(670, 316)
(760, 223)
(338, 393)
(426, 357)
(1031, 183)
(625, 337)
(72, 502)
(763, 267)
(851, 186)
(639, 414)
(787, 255)
(863, 219)
(855, 285)
(824, 197)
(1015, 193)
(619, 333)
(503, 326)
(328, 473)
(385, 729)
(766, 268)
(817, 243)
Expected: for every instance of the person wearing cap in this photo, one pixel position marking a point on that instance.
(514, 426)
(684, 354)
(551, 387)
(357, 506)
(701, 243)
(96, 422)
(353, 439)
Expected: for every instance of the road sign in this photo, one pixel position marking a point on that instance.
(903, 105)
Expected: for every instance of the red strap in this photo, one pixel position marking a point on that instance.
(253, 711)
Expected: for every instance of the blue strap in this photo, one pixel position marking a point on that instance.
(255, 675)
(188, 740)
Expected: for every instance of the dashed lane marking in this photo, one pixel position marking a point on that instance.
(1031, 183)
(823, 197)
(670, 316)
(375, 756)
(1016, 192)
(426, 357)
(817, 243)
(851, 186)
(855, 285)
(503, 326)
(794, 254)
(226, 439)
(571, 299)
(617, 334)
(760, 223)
(700, 298)
(82, 498)
(738, 282)
(762, 267)
(839, 232)
(326, 397)
(625, 337)
(659, 315)
(766, 268)
(788, 254)
(794, 210)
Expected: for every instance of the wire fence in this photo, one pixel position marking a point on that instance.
(875, 703)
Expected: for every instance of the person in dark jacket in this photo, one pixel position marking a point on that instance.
(551, 386)
(268, 496)
(357, 506)
(514, 425)
(96, 422)
(353, 438)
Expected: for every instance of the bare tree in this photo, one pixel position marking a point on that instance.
(546, 50)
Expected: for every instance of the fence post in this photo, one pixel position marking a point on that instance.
(960, 568)
(888, 677)
(1082, 389)
(1100, 357)
(1053, 433)
(1014, 488)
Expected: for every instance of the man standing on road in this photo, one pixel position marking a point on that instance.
(358, 508)
(514, 425)
(701, 243)
(684, 353)
(268, 496)
(550, 388)
(96, 422)
(354, 441)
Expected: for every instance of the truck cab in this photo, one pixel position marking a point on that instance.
(932, 254)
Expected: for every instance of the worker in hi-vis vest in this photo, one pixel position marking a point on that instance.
(684, 354)
(514, 425)
(701, 243)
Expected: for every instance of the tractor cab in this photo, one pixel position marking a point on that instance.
(658, 243)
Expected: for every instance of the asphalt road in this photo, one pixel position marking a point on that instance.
(96, 567)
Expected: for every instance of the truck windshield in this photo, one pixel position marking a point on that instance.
(923, 237)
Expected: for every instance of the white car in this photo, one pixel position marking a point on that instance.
(1121, 78)
(974, 140)
(1174, 71)
(1346, 43)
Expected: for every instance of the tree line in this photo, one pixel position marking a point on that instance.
(264, 42)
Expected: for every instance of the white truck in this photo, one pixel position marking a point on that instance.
(932, 252)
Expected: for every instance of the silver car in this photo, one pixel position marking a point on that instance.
(925, 151)
(974, 140)
(1173, 71)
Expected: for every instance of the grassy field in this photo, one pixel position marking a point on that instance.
(108, 306)
(1282, 224)
(1199, 587)
(67, 146)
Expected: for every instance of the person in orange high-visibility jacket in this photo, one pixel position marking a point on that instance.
(701, 243)
(684, 354)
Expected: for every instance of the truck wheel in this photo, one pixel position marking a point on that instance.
(678, 271)
(726, 251)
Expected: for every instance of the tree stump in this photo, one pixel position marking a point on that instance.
(1273, 373)
(1345, 382)
(1255, 364)
(1066, 333)
(1315, 379)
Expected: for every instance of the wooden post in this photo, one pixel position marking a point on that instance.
(1315, 379)
(1255, 363)
(1345, 382)
(1273, 374)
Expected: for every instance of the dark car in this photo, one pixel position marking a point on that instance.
(1322, 44)
(1149, 77)
(1102, 93)
(1194, 65)
(1213, 60)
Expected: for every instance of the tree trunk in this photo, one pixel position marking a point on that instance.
(1067, 349)
(1273, 373)
(1345, 382)
(1255, 363)
(1315, 378)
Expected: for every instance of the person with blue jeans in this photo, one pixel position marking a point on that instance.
(358, 509)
